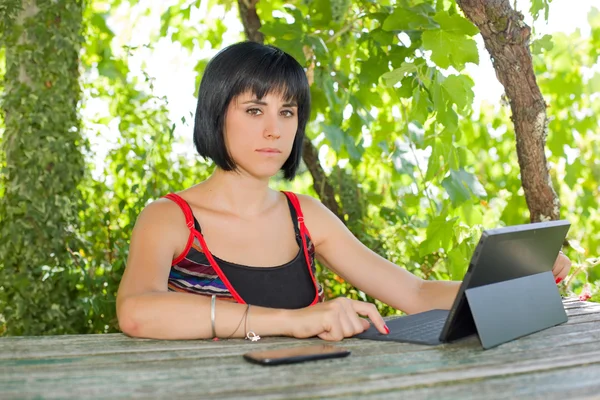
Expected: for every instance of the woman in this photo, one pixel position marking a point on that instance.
(199, 257)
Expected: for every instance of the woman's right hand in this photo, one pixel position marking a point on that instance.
(335, 320)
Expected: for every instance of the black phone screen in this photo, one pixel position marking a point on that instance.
(292, 355)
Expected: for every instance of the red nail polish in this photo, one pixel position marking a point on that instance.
(386, 329)
(558, 280)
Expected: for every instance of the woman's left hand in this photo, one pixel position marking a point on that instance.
(561, 268)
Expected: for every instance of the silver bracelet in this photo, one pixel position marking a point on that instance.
(212, 315)
(250, 335)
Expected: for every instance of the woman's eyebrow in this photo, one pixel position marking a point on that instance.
(263, 103)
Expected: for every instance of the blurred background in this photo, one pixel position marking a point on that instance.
(411, 141)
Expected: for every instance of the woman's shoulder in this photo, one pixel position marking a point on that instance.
(319, 220)
(165, 218)
(312, 206)
(163, 209)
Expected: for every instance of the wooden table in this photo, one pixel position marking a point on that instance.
(560, 362)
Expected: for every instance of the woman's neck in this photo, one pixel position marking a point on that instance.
(238, 193)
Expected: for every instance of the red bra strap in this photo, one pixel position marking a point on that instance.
(189, 220)
(218, 269)
(303, 234)
(185, 207)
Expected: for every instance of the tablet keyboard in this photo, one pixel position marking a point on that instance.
(422, 328)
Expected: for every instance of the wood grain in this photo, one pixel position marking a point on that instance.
(563, 361)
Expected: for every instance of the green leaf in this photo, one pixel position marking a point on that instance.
(459, 90)
(434, 163)
(594, 83)
(373, 68)
(404, 18)
(439, 235)
(443, 104)
(450, 49)
(544, 43)
(395, 76)
(319, 46)
(471, 213)
(594, 18)
(382, 37)
(335, 136)
(420, 106)
(355, 150)
(407, 87)
(461, 186)
(455, 24)
(458, 261)
(539, 5)
(280, 29)
(453, 160)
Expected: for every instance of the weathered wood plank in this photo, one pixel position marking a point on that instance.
(379, 360)
(559, 335)
(333, 378)
(547, 385)
(48, 346)
(115, 366)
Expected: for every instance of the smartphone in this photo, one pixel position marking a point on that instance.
(291, 355)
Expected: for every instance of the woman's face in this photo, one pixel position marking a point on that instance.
(259, 134)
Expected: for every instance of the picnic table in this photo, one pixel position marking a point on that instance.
(560, 362)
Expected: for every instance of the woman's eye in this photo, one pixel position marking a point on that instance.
(288, 113)
(253, 111)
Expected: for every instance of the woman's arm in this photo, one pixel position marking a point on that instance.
(146, 309)
(172, 315)
(144, 306)
(343, 253)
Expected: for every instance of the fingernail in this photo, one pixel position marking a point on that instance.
(558, 280)
(387, 330)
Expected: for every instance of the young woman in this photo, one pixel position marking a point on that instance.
(199, 258)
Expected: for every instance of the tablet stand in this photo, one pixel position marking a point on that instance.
(508, 310)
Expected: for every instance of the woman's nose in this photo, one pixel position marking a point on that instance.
(272, 128)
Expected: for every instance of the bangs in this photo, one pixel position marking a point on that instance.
(276, 73)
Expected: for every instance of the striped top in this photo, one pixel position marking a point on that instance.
(291, 285)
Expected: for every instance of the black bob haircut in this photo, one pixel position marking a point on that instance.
(236, 69)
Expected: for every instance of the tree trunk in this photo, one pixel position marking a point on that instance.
(310, 154)
(44, 165)
(506, 38)
(250, 20)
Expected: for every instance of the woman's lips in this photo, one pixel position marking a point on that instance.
(269, 150)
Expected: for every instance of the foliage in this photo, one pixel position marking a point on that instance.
(418, 172)
(42, 166)
(571, 88)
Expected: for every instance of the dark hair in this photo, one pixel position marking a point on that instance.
(234, 70)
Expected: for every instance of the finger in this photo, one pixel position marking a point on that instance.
(564, 271)
(561, 268)
(369, 310)
(358, 324)
(365, 324)
(348, 323)
(332, 335)
(560, 263)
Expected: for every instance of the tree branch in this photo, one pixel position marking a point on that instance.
(250, 20)
(506, 38)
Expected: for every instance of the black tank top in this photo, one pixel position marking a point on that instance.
(288, 286)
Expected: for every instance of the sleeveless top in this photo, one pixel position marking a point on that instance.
(291, 285)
